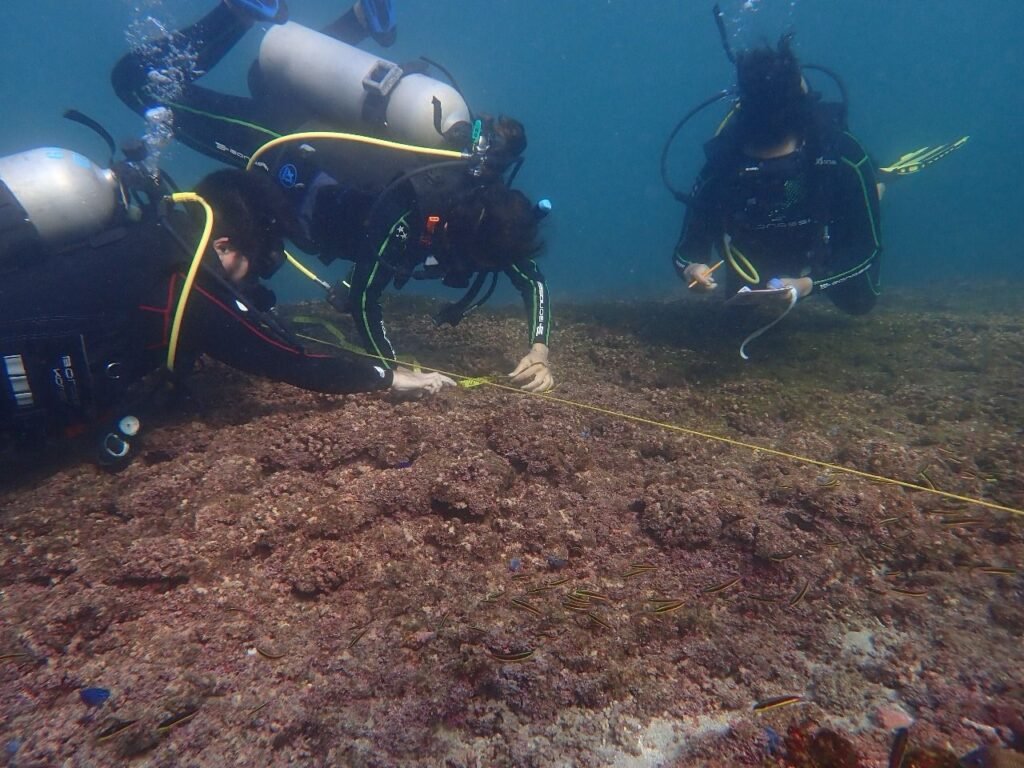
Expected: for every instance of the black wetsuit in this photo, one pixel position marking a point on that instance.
(400, 243)
(813, 213)
(80, 326)
(222, 126)
(332, 211)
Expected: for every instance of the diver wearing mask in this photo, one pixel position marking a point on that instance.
(787, 196)
(456, 221)
(444, 224)
(92, 299)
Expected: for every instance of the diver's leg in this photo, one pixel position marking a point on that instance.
(272, 11)
(226, 128)
(143, 73)
(366, 18)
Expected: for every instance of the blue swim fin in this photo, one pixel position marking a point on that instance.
(379, 16)
(272, 11)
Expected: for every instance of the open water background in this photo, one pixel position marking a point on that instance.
(600, 83)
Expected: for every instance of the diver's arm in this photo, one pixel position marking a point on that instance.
(854, 232)
(529, 281)
(533, 372)
(382, 249)
(215, 325)
(694, 249)
(369, 279)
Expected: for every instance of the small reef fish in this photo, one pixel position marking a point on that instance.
(776, 701)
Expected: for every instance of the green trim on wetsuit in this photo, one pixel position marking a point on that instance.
(223, 119)
(536, 304)
(849, 234)
(369, 328)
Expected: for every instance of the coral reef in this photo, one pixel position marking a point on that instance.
(487, 578)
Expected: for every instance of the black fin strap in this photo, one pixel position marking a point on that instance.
(437, 115)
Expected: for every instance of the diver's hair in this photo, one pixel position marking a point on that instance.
(493, 228)
(773, 102)
(251, 211)
(513, 133)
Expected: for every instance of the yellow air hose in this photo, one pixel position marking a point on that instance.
(354, 137)
(204, 241)
(306, 271)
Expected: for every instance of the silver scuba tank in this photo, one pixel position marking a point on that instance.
(333, 80)
(64, 195)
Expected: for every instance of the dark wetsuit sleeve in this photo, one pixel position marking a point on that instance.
(369, 279)
(529, 281)
(850, 275)
(700, 228)
(214, 325)
(224, 127)
(384, 246)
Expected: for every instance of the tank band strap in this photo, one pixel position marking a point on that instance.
(17, 380)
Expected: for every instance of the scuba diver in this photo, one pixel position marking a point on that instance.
(102, 284)
(431, 225)
(457, 221)
(788, 197)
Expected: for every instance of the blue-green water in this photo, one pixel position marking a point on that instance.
(599, 83)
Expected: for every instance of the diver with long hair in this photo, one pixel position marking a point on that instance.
(458, 222)
(788, 196)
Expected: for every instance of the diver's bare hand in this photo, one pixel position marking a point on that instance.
(533, 373)
(803, 285)
(698, 278)
(408, 383)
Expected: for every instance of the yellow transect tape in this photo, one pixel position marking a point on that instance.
(487, 381)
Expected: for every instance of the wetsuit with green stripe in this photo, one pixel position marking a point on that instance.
(396, 249)
(812, 213)
(331, 212)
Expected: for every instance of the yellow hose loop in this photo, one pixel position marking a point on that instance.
(179, 309)
(354, 137)
(734, 256)
(727, 118)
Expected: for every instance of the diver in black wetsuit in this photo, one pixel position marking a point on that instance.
(788, 196)
(446, 223)
(434, 227)
(83, 322)
(222, 126)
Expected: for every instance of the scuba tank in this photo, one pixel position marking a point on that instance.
(54, 197)
(340, 83)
